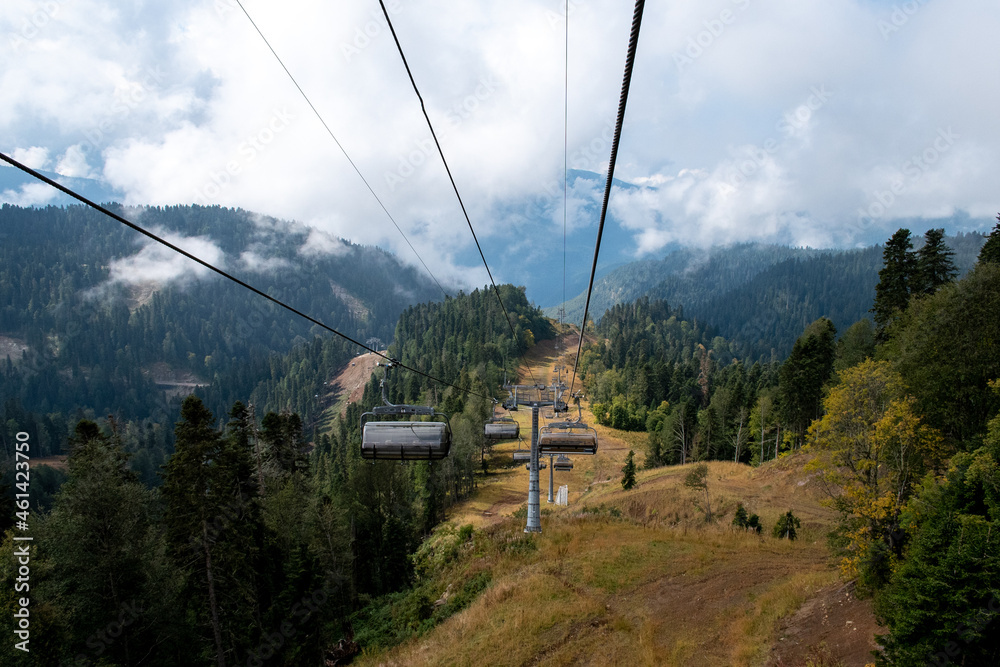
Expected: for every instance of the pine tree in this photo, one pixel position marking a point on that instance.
(104, 556)
(786, 526)
(990, 252)
(892, 294)
(802, 376)
(934, 265)
(212, 520)
(628, 480)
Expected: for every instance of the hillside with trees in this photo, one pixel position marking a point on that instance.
(253, 529)
(95, 321)
(267, 538)
(759, 297)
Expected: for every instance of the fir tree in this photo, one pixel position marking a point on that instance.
(942, 604)
(628, 480)
(697, 479)
(786, 526)
(990, 252)
(892, 293)
(934, 264)
(211, 520)
(802, 376)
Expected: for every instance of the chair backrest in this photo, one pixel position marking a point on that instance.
(567, 438)
(405, 440)
(501, 429)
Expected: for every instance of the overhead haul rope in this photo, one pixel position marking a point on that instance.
(633, 41)
(341, 147)
(224, 274)
(562, 309)
(454, 187)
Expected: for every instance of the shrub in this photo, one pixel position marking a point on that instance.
(742, 520)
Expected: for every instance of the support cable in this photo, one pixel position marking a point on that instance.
(633, 41)
(454, 187)
(562, 309)
(341, 147)
(224, 274)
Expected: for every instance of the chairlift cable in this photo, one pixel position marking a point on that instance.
(224, 274)
(447, 169)
(622, 101)
(562, 309)
(341, 147)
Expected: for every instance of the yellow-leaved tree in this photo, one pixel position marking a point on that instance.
(871, 447)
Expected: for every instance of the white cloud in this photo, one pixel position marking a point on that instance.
(191, 107)
(320, 243)
(74, 163)
(254, 260)
(35, 157)
(155, 263)
(29, 194)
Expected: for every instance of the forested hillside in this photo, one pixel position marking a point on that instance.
(96, 321)
(758, 296)
(252, 530)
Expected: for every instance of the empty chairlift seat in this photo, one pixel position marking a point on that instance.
(562, 463)
(522, 455)
(501, 429)
(405, 440)
(567, 438)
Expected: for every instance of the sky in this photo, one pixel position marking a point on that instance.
(789, 121)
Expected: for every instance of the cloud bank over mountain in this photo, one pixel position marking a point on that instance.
(816, 124)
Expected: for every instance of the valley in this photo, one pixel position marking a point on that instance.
(637, 577)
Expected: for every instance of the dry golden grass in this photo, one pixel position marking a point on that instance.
(637, 577)
(656, 586)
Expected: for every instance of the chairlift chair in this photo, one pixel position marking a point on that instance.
(562, 463)
(501, 428)
(521, 455)
(567, 438)
(410, 440)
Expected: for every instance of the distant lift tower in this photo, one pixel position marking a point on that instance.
(535, 396)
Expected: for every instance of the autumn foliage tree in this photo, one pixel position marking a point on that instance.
(871, 447)
(942, 604)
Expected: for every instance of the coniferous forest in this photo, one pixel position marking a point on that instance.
(212, 509)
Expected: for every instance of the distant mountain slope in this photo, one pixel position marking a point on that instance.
(103, 315)
(683, 277)
(760, 296)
